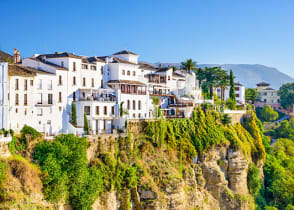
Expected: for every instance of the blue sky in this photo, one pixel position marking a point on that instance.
(209, 31)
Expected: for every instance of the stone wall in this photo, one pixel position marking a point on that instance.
(4, 151)
(102, 143)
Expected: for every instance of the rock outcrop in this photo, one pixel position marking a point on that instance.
(217, 181)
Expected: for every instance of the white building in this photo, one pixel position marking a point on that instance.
(239, 92)
(4, 117)
(107, 90)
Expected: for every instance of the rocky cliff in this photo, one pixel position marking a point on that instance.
(218, 180)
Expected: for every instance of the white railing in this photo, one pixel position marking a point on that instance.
(5, 139)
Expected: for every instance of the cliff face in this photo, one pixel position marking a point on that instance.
(217, 181)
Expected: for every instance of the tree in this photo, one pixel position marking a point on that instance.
(223, 82)
(155, 102)
(226, 119)
(286, 93)
(74, 113)
(211, 77)
(189, 65)
(268, 114)
(86, 125)
(251, 94)
(232, 86)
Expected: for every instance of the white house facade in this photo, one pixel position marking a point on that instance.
(106, 91)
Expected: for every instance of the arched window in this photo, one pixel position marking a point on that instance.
(129, 73)
(84, 81)
(134, 104)
(139, 105)
(60, 80)
(123, 72)
(74, 81)
(128, 104)
(92, 81)
(134, 73)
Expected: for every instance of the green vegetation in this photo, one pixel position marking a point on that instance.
(232, 86)
(66, 172)
(205, 130)
(226, 119)
(74, 113)
(189, 65)
(279, 175)
(286, 93)
(251, 94)
(210, 78)
(267, 114)
(86, 124)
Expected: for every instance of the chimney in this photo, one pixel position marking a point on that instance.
(16, 56)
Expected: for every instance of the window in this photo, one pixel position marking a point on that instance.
(139, 115)
(123, 72)
(16, 84)
(62, 63)
(16, 110)
(25, 99)
(168, 77)
(128, 104)
(25, 84)
(134, 115)
(74, 66)
(16, 99)
(50, 85)
(92, 82)
(60, 108)
(105, 110)
(139, 105)
(129, 73)
(50, 98)
(48, 122)
(101, 70)
(39, 98)
(134, 104)
(74, 81)
(93, 68)
(134, 73)
(60, 80)
(237, 95)
(39, 112)
(59, 97)
(101, 83)
(74, 96)
(97, 110)
(32, 82)
(39, 84)
(112, 110)
(84, 66)
(25, 112)
(87, 110)
(84, 81)
(237, 88)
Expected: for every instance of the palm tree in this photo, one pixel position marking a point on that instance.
(223, 82)
(189, 65)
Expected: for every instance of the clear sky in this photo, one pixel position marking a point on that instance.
(209, 31)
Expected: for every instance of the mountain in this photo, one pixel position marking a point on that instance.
(251, 74)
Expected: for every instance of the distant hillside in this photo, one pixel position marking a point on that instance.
(250, 75)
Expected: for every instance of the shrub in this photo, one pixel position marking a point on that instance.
(253, 180)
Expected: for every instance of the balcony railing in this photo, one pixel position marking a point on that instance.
(101, 99)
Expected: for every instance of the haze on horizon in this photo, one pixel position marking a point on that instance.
(210, 31)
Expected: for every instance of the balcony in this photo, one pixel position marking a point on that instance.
(100, 99)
